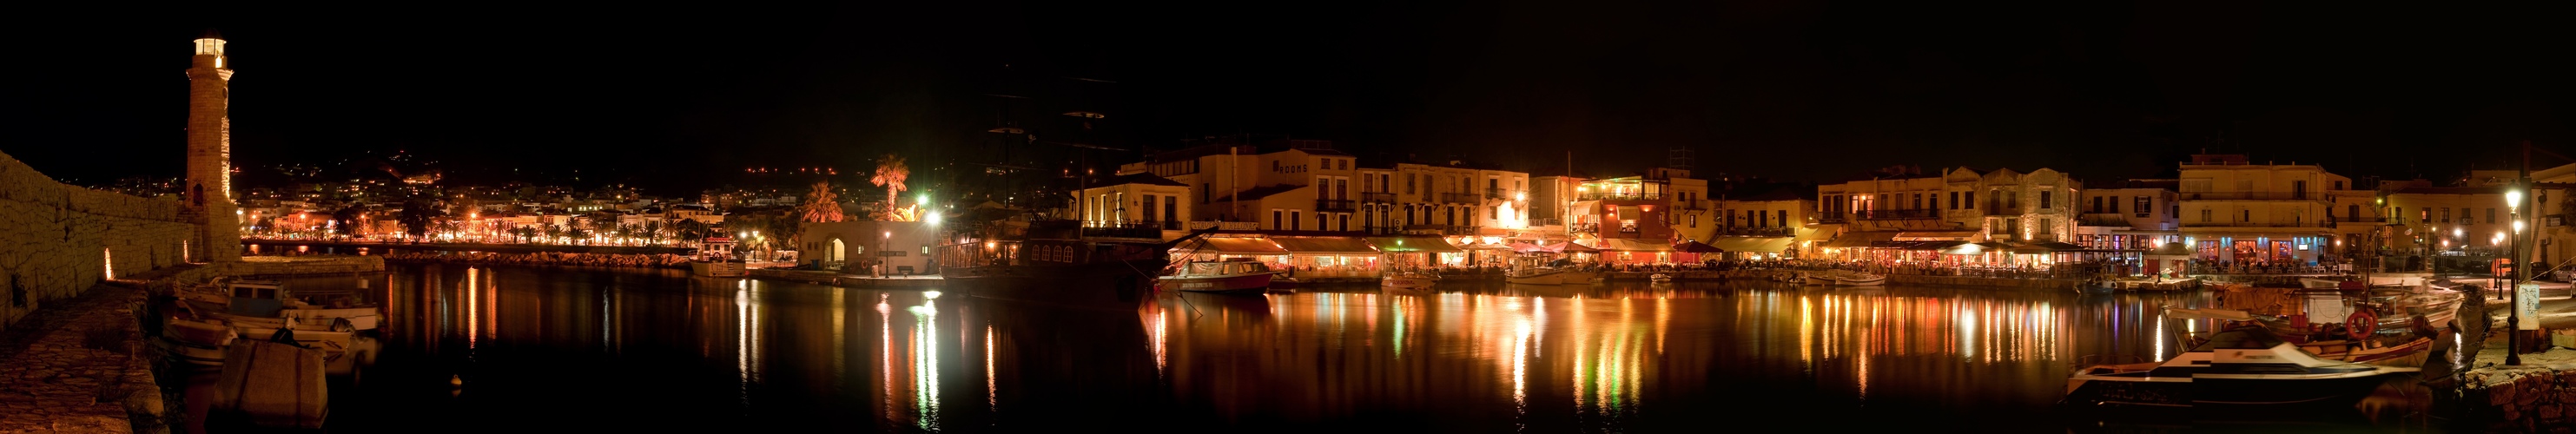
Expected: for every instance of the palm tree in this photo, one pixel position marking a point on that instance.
(821, 205)
(890, 174)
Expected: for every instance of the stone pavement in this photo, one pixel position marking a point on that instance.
(80, 365)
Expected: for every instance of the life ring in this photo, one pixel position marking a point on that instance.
(2362, 324)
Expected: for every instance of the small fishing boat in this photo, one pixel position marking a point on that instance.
(1230, 276)
(1660, 278)
(1845, 278)
(715, 259)
(1408, 279)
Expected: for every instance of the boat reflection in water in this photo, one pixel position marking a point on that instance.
(549, 348)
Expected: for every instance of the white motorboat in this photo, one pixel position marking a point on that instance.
(2240, 367)
(270, 304)
(715, 259)
(1660, 278)
(1231, 276)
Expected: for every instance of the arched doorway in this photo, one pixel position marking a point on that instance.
(835, 252)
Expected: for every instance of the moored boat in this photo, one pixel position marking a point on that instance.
(1408, 280)
(715, 259)
(1845, 278)
(2239, 367)
(1535, 276)
(1055, 264)
(1231, 276)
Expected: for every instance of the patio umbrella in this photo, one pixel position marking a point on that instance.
(1698, 247)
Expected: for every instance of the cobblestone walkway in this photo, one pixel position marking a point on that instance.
(80, 365)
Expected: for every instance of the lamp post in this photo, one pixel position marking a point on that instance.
(2513, 318)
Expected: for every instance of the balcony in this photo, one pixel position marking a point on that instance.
(1442, 229)
(1899, 214)
(1152, 230)
(1334, 205)
(1377, 197)
(2258, 224)
(1695, 205)
(1745, 231)
(2252, 195)
(1619, 196)
(1501, 194)
(1832, 219)
(2359, 219)
(1459, 198)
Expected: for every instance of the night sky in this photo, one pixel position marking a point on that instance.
(679, 98)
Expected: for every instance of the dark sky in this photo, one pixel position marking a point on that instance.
(674, 96)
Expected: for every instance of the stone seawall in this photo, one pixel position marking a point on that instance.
(57, 240)
(1988, 282)
(2539, 396)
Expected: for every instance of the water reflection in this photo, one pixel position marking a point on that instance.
(675, 352)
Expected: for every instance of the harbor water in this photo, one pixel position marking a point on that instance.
(530, 348)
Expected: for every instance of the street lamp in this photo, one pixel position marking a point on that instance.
(2513, 318)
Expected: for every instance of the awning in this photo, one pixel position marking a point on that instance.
(1976, 248)
(1231, 246)
(1861, 239)
(1413, 245)
(1751, 244)
(2170, 251)
(2045, 247)
(1631, 245)
(1936, 235)
(1325, 245)
(1571, 247)
(1527, 247)
(1697, 247)
(1805, 235)
(1934, 246)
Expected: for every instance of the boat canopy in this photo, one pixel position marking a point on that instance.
(1233, 246)
(1325, 245)
(1413, 245)
(2251, 337)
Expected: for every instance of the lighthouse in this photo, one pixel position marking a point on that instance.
(210, 170)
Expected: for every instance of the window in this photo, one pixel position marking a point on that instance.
(2465, 217)
(925, 250)
(1936, 201)
(1408, 184)
(1918, 201)
(1971, 198)
(2352, 213)
(2043, 199)
(1274, 219)
(2097, 205)
(1494, 212)
(2204, 216)
(1784, 218)
(2145, 205)
(1294, 223)
(2246, 215)
(2490, 215)
(2115, 204)
(2446, 216)
(1954, 200)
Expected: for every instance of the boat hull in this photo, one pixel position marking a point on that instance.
(717, 269)
(1236, 284)
(1109, 285)
(1407, 282)
(2264, 391)
(1539, 278)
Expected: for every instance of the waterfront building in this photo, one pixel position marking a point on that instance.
(1777, 224)
(1138, 202)
(855, 246)
(1874, 209)
(1632, 219)
(1283, 184)
(2138, 214)
(2239, 213)
(2448, 228)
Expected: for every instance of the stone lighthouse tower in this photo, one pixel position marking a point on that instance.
(210, 152)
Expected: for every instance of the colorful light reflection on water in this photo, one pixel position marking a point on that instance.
(665, 351)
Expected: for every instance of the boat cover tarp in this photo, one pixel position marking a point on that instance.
(1413, 245)
(1325, 245)
(1233, 246)
(1752, 244)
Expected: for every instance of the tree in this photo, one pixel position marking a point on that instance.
(653, 232)
(418, 216)
(821, 206)
(553, 232)
(891, 174)
(345, 221)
